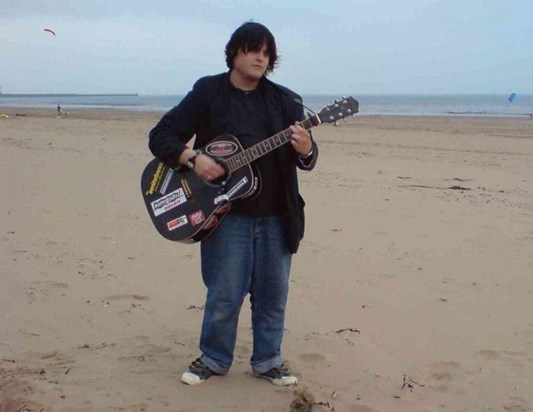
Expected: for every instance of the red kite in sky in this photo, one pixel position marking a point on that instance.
(50, 31)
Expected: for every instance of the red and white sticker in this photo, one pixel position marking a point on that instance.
(197, 217)
(222, 148)
(174, 224)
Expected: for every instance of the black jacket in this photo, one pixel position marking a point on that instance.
(203, 112)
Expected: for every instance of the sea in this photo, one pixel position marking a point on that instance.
(392, 105)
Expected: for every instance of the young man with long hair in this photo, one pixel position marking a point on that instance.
(250, 251)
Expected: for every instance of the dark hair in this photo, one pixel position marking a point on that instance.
(250, 37)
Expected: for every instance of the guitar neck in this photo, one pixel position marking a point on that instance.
(266, 146)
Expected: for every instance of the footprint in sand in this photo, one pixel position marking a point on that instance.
(509, 358)
(314, 361)
(139, 349)
(516, 404)
(51, 284)
(148, 352)
(42, 289)
(489, 354)
(125, 297)
(53, 365)
(443, 374)
(360, 408)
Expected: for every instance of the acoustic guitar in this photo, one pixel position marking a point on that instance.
(186, 208)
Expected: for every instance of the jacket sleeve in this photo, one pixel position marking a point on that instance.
(168, 139)
(308, 163)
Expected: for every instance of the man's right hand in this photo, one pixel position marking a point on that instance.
(207, 168)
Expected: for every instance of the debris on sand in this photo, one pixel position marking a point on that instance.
(303, 401)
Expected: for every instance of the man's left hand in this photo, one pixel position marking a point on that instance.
(301, 139)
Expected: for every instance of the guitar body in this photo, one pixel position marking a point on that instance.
(184, 207)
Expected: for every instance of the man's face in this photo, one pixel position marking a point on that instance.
(253, 64)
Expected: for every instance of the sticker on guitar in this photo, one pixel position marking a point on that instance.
(174, 224)
(156, 179)
(222, 148)
(170, 201)
(197, 217)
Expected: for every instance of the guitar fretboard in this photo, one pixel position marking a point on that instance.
(266, 146)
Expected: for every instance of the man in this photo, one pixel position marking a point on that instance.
(251, 250)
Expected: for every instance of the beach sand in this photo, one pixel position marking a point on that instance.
(412, 290)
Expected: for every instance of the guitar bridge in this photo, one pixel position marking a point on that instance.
(225, 197)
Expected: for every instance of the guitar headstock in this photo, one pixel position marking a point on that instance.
(345, 107)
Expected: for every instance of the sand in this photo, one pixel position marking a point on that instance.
(412, 290)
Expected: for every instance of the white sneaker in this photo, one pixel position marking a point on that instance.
(279, 376)
(197, 373)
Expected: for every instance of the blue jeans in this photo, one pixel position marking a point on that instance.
(245, 255)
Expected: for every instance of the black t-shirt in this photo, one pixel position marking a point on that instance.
(248, 121)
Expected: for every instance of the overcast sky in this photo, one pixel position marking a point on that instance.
(326, 46)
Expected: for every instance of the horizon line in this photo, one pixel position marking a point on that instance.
(303, 94)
